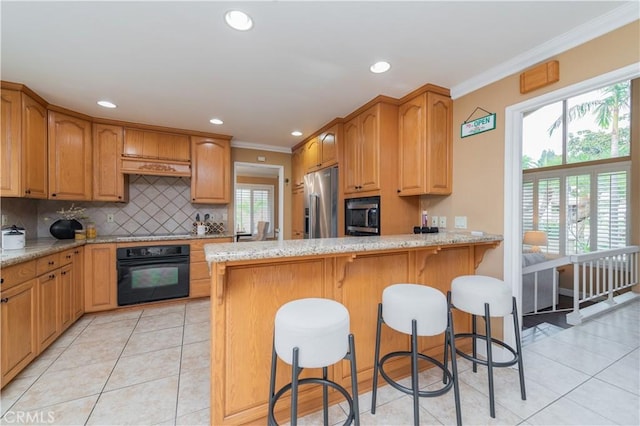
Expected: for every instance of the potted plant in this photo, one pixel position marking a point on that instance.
(65, 227)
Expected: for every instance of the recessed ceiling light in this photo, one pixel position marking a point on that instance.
(216, 121)
(296, 133)
(107, 104)
(238, 20)
(380, 67)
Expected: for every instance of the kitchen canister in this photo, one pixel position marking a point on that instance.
(13, 238)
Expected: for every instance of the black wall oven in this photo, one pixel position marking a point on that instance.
(362, 216)
(150, 273)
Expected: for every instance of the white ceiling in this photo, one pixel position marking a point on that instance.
(177, 64)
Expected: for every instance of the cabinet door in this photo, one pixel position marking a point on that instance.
(297, 167)
(370, 150)
(439, 169)
(312, 155)
(48, 308)
(100, 277)
(297, 214)
(350, 169)
(328, 147)
(69, 157)
(173, 147)
(19, 328)
(10, 157)
(77, 289)
(35, 179)
(66, 296)
(108, 180)
(210, 170)
(411, 141)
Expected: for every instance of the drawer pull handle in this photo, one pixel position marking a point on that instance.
(51, 262)
(1, 280)
(52, 276)
(4, 300)
(68, 256)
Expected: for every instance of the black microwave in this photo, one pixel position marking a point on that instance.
(362, 216)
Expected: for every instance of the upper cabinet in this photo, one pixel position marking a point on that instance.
(425, 137)
(322, 151)
(23, 147)
(210, 170)
(155, 153)
(70, 157)
(361, 168)
(109, 183)
(298, 167)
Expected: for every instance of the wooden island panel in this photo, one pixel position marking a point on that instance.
(247, 293)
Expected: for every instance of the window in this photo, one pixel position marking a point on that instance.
(254, 203)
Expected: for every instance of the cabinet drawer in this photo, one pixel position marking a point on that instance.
(197, 247)
(66, 256)
(199, 288)
(47, 263)
(17, 274)
(198, 270)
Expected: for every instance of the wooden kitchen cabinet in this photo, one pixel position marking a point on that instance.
(24, 146)
(425, 125)
(297, 214)
(49, 303)
(77, 292)
(109, 183)
(156, 145)
(362, 144)
(199, 278)
(66, 296)
(322, 151)
(298, 167)
(19, 308)
(70, 157)
(100, 277)
(71, 277)
(210, 170)
(311, 155)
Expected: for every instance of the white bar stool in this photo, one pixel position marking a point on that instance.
(417, 310)
(487, 297)
(313, 333)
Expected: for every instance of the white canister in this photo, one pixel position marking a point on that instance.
(13, 238)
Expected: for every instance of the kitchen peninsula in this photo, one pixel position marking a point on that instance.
(250, 281)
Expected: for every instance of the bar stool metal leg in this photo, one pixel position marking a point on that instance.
(449, 335)
(487, 326)
(376, 361)
(354, 380)
(294, 388)
(516, 326)
(474, 330)
(414, 372)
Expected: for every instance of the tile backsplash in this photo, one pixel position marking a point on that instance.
(157, 205)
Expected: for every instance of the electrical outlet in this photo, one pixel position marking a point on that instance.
(442, 222)
(4, 220)
(434, 221)
(110, 218)
(461, 222)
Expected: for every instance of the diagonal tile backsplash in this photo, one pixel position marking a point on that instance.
(157, 205)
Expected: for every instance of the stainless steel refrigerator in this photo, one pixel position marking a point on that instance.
(321, 204)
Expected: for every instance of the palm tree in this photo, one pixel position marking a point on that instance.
(607, 111)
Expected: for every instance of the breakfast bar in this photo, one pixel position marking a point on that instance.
(250, 281)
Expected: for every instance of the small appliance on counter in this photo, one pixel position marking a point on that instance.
(425, 230)
(13, 238)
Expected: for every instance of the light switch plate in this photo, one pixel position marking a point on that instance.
(442, 222)
(434, 221)
(461, 222)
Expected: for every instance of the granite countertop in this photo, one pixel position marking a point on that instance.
(45, 246)
(226, 252)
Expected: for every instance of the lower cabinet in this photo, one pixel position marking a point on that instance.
(100, 277)
(49, 297)
(18, 309)
(199, 278)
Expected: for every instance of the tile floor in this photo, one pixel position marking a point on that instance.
(150, 367)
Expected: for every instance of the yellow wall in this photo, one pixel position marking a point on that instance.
(245, 155)
(478, 161)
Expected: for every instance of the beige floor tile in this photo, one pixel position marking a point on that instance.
(145, 367)
(178, 308)
(620, 373)
(106, 317)
(197, 332)
(159, 322)
(142, 404)
(397, 412)
(42, 362)
(198, 418)
(626, 333)
(107, 332)
(55, 387)
(551, 374)
(581, 340)
(14, 390)
(585, 361)
(611, 402)
(74, 412)
(336, 417)
(85, 353)
(567, 412)
(195, 356)
(153, 340)
(200, 313)
(194, 393)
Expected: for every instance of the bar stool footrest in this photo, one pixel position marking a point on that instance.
(409, 390)
(482, 361)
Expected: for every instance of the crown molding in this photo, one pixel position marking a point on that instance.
(608, 22)
(260, 147)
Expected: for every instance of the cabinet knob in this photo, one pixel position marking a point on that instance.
(28, 191)
(77, 252)
(52, 276)
(1, 280)
(63, 273)
(4, 300)
(119, 197)
(68, 256)
(398, 191)
(53, 195)
(51, 262)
